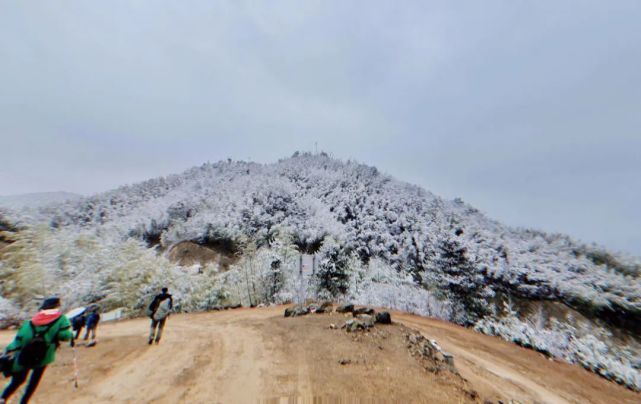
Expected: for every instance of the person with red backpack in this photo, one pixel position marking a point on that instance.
(34, 347)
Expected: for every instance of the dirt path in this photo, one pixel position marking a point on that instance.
(502, 370)
(256, 355)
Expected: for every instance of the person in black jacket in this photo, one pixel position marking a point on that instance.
(158, 310)
(77, 324)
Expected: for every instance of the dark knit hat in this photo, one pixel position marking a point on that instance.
(52, 302)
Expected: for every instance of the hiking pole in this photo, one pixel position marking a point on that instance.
(75, 367)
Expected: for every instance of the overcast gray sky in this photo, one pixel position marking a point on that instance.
(529, 110)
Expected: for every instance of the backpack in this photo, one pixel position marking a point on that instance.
(35, 350)
(78, 322)
(6, 364)
(163, 309)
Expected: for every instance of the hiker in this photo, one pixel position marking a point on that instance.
(159, 310)
(34, 347)
(93, 318)
(77, 324)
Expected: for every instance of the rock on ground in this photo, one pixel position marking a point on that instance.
(363, 310)
(383, 318)
(345, 308)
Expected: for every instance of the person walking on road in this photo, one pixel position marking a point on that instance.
(159, 310)
(93, 318)
(34, 347)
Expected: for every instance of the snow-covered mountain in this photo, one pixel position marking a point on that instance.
(378, 241)
(35, 200)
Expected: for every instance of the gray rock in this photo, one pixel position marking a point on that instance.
(363, 310)
(428, 351)
(366, 320)
(449, 359)
(415, 338)
(355, 325)
(347, 323)
(296, 311)
(318, 308)
(299, 311)
(345, 308)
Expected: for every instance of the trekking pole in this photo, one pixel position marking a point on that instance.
(75, 367)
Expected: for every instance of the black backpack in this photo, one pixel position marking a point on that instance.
(35, 350)
(78, 322)
(6, 364)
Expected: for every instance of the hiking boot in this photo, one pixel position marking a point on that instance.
(157, 341)
(150, 342)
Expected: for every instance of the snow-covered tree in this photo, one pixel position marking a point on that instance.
(458, 278)
(333, 270)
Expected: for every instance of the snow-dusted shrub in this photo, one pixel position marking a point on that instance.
(23, 275)
(9, 314)
(380, 285)
(332, 276)
(561, 340)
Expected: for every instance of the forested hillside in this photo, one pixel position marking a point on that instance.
(376, 240)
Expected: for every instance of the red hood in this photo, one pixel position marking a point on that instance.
(45, 317)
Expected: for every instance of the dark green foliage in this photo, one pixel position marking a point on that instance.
(220, 240)
(332, 274)
(6, 228)
(307, 246)
(275, 280)
(600, 257)
(5, 225)
(460, 281)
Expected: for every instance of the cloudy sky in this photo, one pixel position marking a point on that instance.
(529, 110)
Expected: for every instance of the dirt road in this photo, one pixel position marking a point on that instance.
(256, 355)
(498, 369)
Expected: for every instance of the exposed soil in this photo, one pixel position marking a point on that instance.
(256, 355)
(188, 253)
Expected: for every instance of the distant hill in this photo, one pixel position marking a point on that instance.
(36, 200)
(378, 241)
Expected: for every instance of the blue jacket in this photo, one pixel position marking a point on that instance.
(92, 320)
